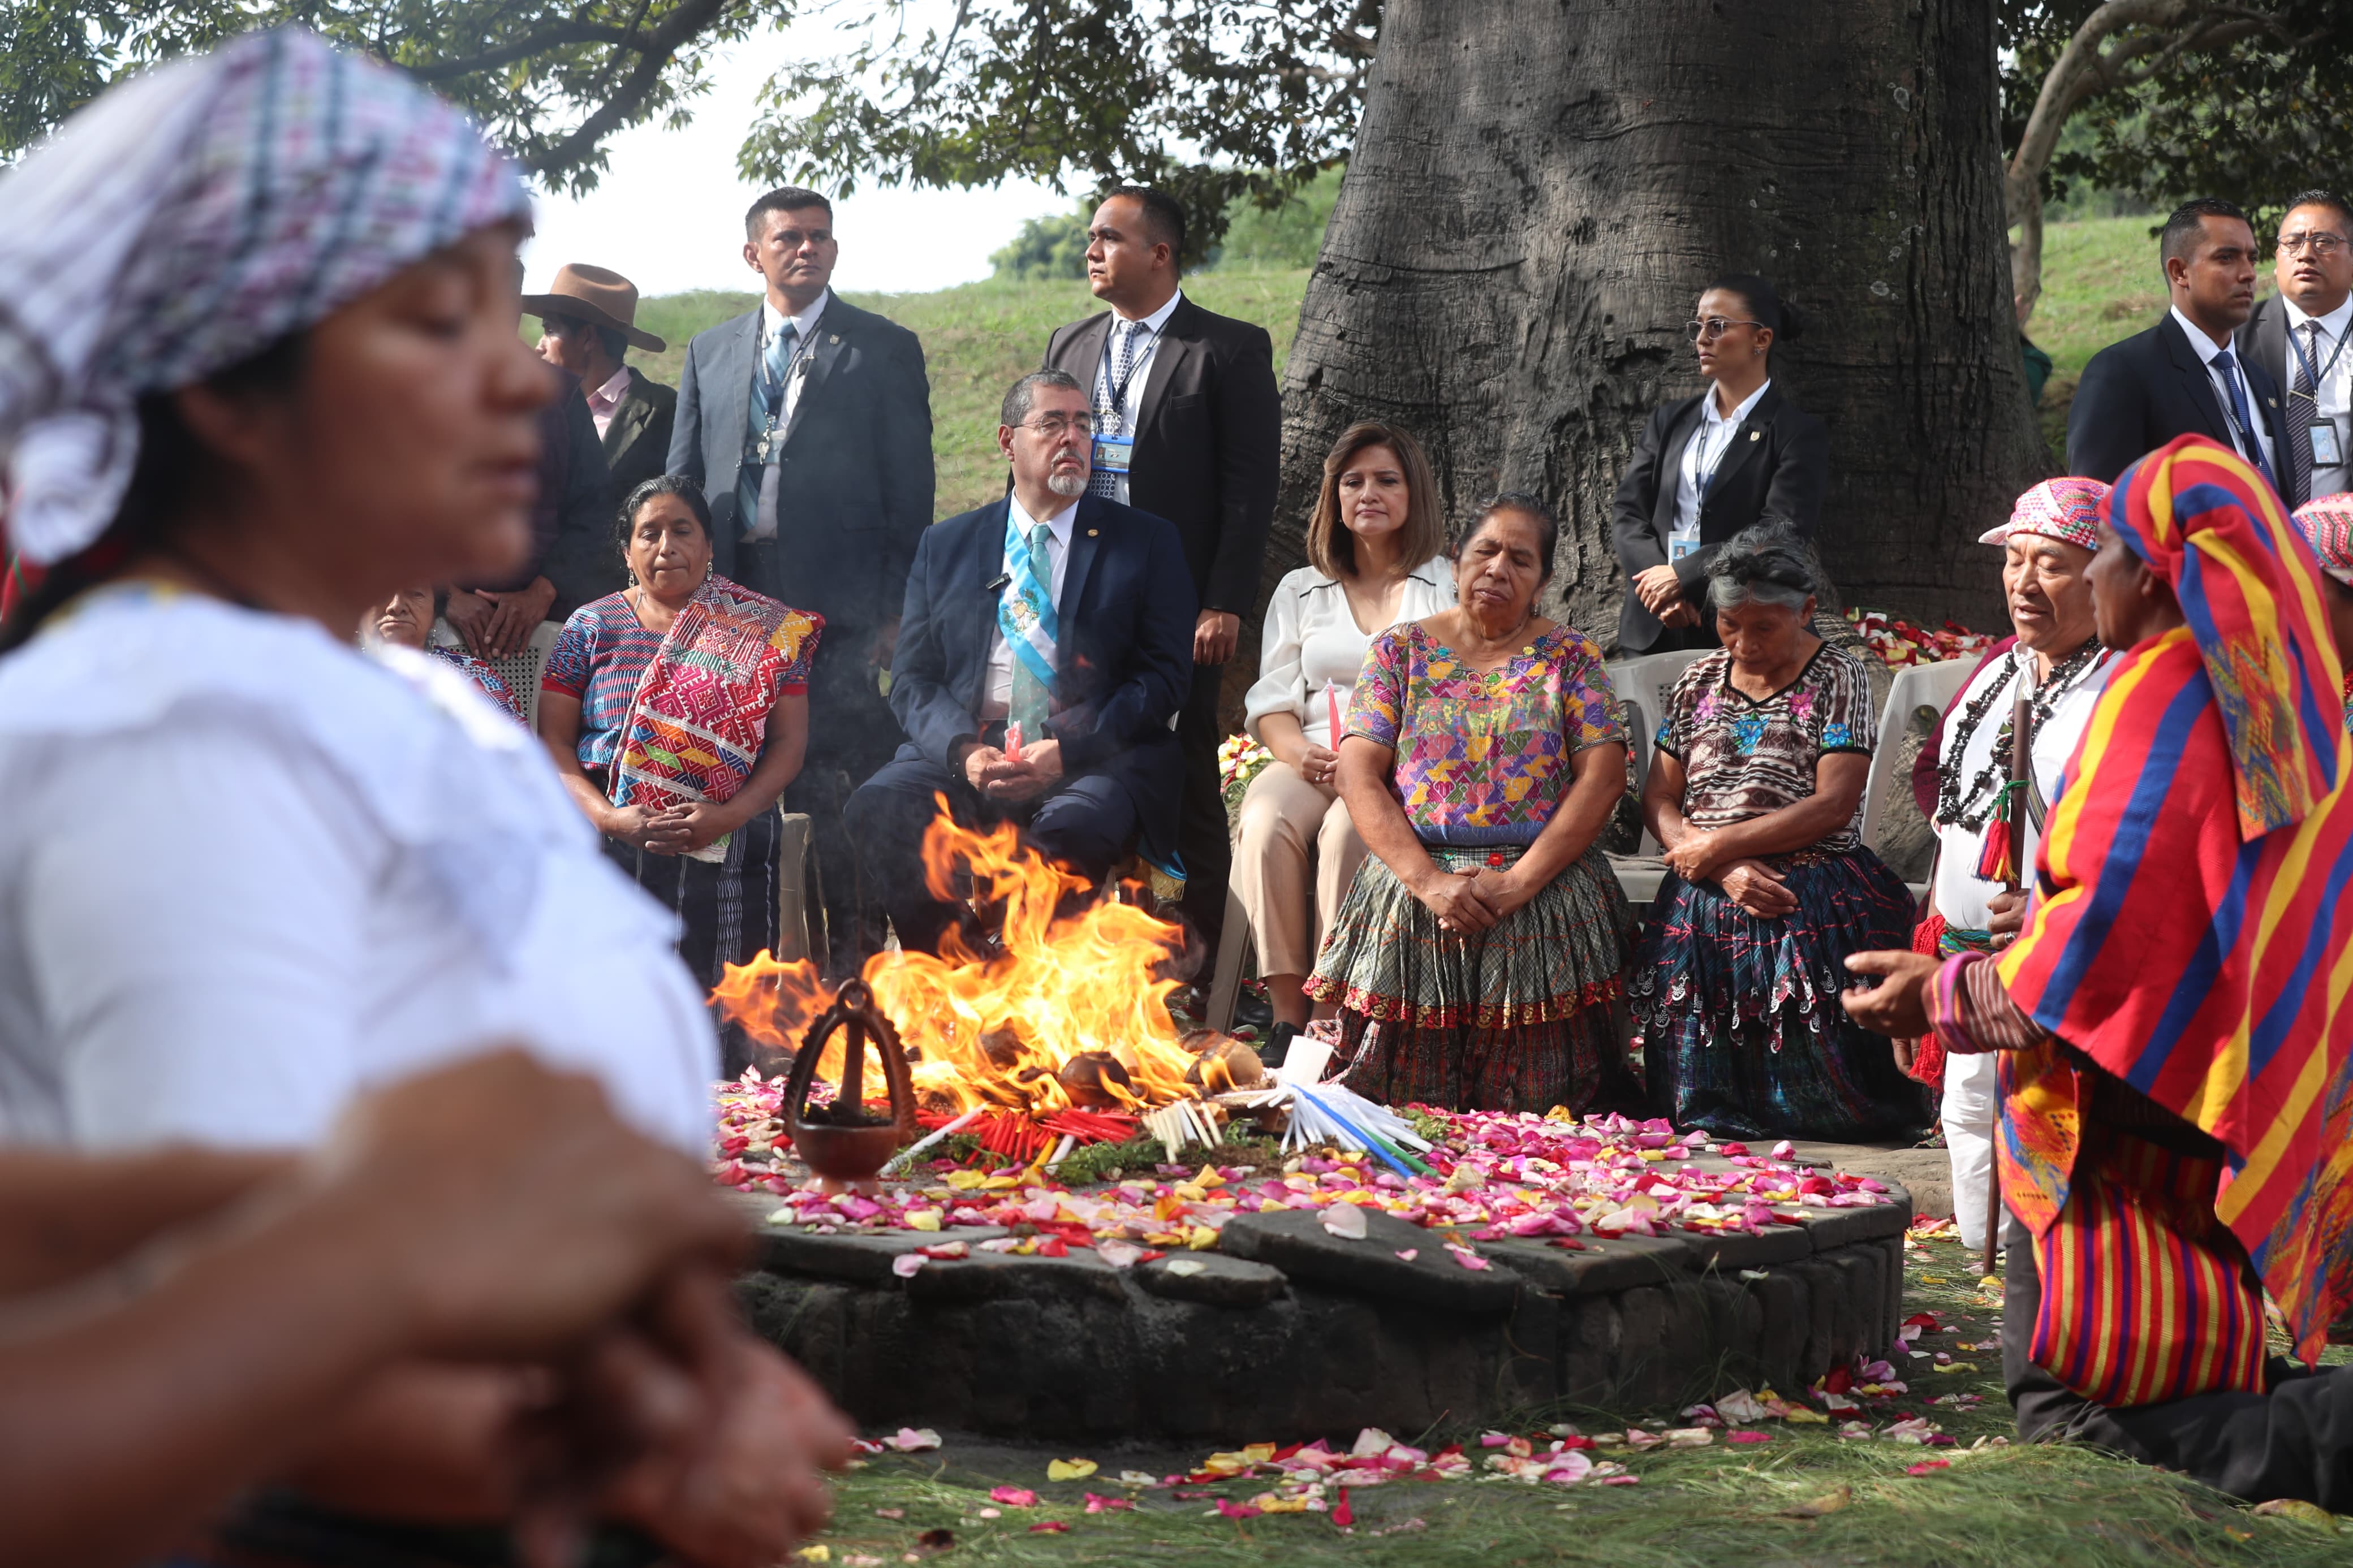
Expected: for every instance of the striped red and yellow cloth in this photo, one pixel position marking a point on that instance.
(2191, 931)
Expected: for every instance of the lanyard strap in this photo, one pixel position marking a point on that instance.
(1703, 478)
(1136, 357)
(2319, 377)
(803, 352)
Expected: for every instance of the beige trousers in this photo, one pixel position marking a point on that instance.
(1287, 826)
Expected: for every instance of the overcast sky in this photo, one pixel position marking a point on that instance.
(669, 213)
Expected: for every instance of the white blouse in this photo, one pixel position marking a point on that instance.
(1963, 898)
(249, 871)
(1312, 643)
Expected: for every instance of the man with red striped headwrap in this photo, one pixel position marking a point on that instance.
(2173, 1023)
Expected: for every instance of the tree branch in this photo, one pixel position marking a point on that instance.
(537, 43)
(679, 28)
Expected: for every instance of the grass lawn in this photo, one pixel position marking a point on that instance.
(1996, 1506)
(976, 339)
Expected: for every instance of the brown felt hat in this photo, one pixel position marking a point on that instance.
(597, 297)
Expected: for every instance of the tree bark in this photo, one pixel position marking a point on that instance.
(1538, 195)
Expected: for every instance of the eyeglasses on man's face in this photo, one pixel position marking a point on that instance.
(1054, 426)
(2319, 242)
(1713, 327)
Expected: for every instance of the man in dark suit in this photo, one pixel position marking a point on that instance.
(2297, 337)
(588, 324)
(807, 423)
(1045, 643)
(2183, 375)
(1189, 427)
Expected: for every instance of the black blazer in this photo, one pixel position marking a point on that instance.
(857, 465)
(2138, 394)
(1208, 453)
(1779, 467)
(1126, 614)
(636, 441)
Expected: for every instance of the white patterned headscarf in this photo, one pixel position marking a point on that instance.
(190, 218)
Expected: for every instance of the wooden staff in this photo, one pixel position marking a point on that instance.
(2022, 780)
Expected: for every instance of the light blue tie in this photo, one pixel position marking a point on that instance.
(1030, 700)
(765, 405)
(2228, 365)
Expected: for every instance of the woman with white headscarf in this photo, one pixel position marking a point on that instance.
(258, 371)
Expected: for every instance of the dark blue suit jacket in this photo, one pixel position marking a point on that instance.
(1127, 615)
(2138, 394)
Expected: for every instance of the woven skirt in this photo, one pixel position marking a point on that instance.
(1739, 1019)
(1515, 1017)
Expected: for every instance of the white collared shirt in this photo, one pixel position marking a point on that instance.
(2207, 349)
(1128, 417)
(772, 322)
(996, 691)
(1312, 645)
(1706, 454)
(2336, 392)
(606, 400)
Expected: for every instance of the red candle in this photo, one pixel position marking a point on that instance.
(1332, 701)
(1013, 741)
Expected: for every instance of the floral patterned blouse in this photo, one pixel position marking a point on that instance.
(1743, 758)
(1482, 758)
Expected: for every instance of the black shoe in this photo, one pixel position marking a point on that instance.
(1278, 1043)
(1252, 1011)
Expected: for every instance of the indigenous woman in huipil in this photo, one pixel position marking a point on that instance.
(2173, 1024)
(1477, 951)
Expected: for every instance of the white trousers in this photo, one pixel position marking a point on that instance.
(1972, 1100)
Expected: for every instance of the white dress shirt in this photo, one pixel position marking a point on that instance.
(2207, 349)
(772, 322)
(1311, 643)
(996, 691)
(1704, 453)
(2336, 392)
(278, 872)
(1130, 411)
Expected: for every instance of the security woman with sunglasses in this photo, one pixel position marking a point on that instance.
(1708, 465)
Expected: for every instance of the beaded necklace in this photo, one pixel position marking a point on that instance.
(1972, 808)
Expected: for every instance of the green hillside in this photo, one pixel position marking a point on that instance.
(976, 339)
(2100, 283)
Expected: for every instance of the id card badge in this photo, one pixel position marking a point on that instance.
(1680, 545)
(1113, 452)
(2327, 451)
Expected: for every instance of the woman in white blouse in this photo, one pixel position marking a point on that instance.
(1378, 548)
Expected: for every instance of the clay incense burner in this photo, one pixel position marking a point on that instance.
(842, 1144)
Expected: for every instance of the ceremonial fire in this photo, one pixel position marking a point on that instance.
(1070, 1015)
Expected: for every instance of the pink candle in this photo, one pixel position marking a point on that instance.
(1332, 701)
(1013, 741)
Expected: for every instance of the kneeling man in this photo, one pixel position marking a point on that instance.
(1058, 614)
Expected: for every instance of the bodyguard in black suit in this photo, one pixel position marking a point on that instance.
(2313, 268)
(807, 423)
(2182, 376)
(1710, 466)
(1101, 768)
(1189, 428)
(588, 324)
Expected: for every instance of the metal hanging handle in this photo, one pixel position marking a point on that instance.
(853, 1008)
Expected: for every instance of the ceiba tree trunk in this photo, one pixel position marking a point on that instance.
(1538, 195)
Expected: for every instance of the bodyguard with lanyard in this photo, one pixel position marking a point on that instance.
(2297, 337)
(1707, 467)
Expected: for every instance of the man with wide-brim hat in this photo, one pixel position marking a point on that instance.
(588, 318)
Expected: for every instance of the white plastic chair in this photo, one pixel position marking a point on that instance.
(1921, 694)
(520, 671)
(1645, 682)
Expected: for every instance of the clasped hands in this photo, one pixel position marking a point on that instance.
(496, 623)
(1748, 882)
(1661, 593)
(1000, 777)
(1472, 899)
(675, 829)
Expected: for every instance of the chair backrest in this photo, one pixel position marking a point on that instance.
(520, 671)
(1919, 689)
(1644, 683)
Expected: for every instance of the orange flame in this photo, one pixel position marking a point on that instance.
(999, 1028)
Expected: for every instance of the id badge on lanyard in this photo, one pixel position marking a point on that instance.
(1112, 453)
(2327, 453)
